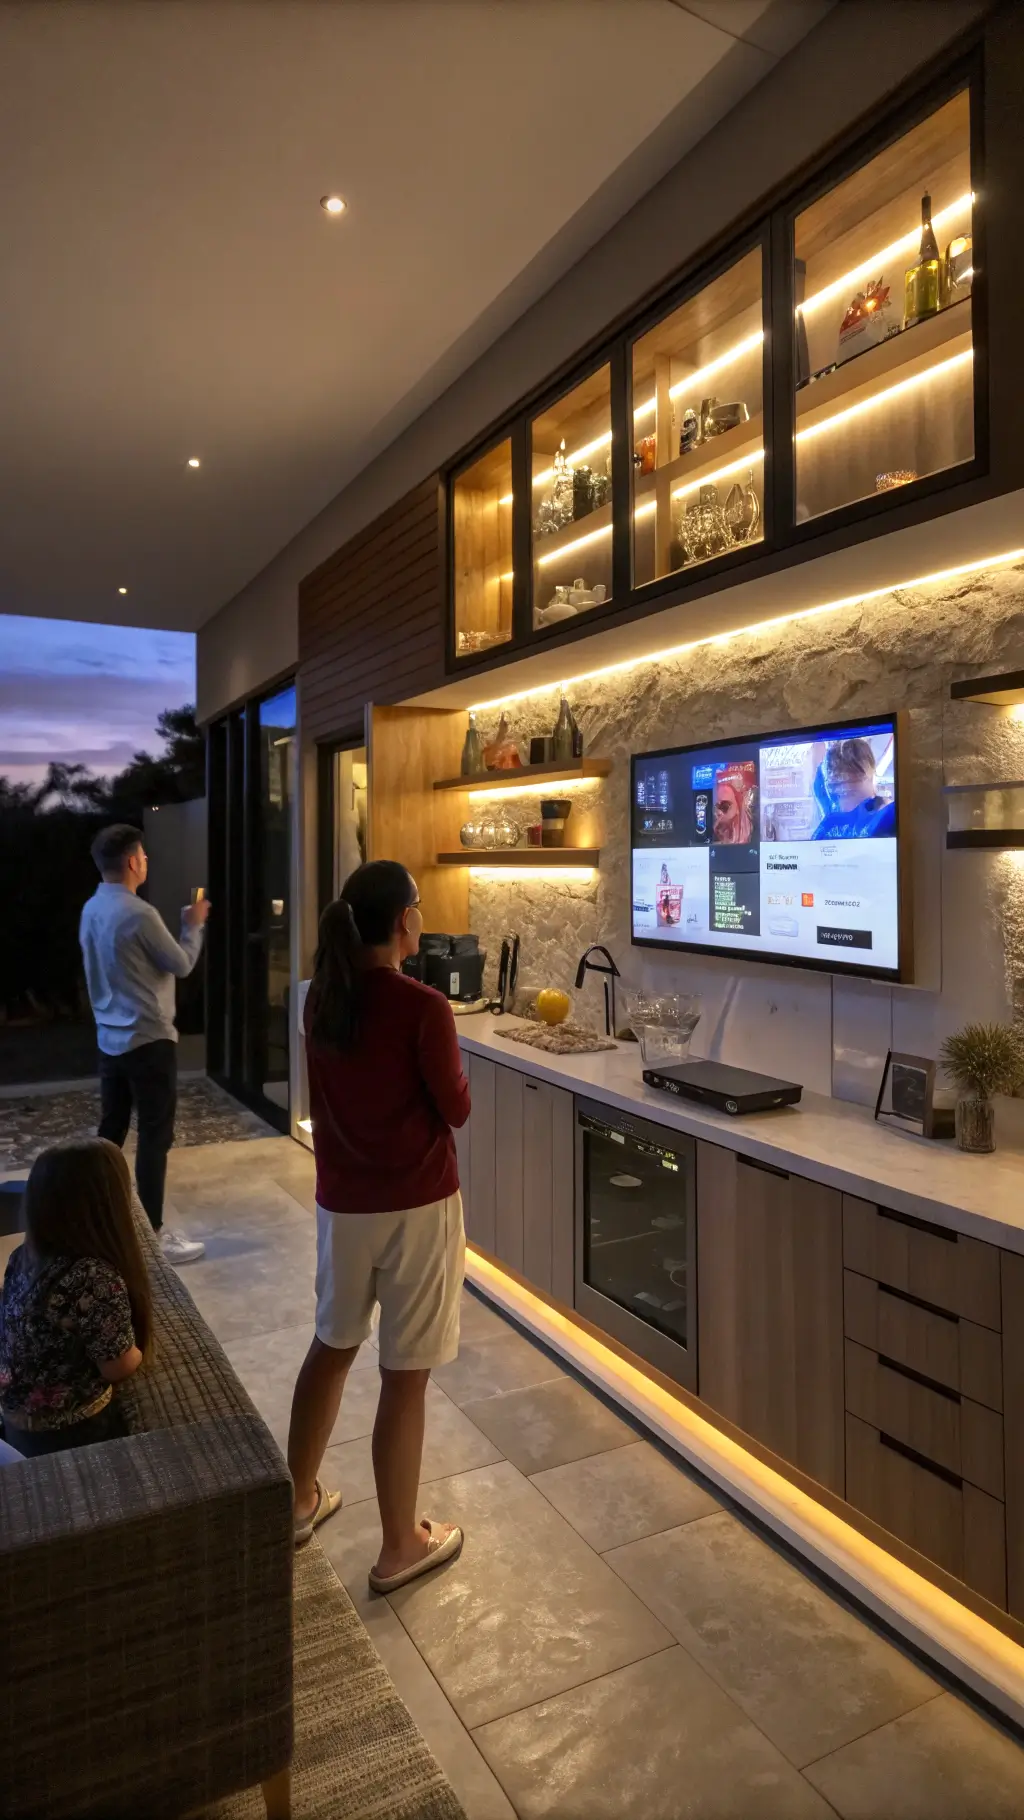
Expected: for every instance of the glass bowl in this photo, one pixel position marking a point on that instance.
(663, 1025)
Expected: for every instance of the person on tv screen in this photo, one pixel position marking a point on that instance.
(733, 824)
(857, 811)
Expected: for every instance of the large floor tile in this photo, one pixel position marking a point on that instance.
(941, 1762)
(452, 1444)
(549, 1424)
(269, 1365)
(810, 1673)
(489, 1367)
(481, 1320)
(618, 1497)
(473, 1780)
(527, 1611)
(262, 1287)
(655, 1741)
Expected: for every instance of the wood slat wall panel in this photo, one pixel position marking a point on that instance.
(371, 617)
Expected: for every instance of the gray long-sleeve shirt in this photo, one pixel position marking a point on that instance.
(131, 963)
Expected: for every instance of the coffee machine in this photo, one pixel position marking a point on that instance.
(454, 964)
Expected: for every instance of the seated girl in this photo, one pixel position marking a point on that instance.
(75, 1313)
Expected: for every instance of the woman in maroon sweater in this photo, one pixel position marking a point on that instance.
(385, 1087)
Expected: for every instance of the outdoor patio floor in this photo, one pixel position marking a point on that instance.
(612, 1642)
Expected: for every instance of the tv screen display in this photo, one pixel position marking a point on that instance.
(783, 847)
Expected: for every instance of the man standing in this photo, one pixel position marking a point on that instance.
(131, 964)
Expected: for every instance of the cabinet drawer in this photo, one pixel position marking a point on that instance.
(953, 1273)
(962, 1437)
(954, 1352)
(954, 1524)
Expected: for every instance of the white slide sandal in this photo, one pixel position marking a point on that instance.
(439, 1550)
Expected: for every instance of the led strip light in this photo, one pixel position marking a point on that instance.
(868, 404)
(761, 625)
(582, 873)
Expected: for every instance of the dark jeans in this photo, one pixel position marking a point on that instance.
(103, 1427)
(146, 1078)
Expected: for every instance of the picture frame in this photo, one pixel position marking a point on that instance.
(908, 1085)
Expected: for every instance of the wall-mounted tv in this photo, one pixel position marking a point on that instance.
(778, 847)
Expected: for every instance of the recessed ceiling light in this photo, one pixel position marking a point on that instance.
(333, 205)
(193, 461)
(122, 590)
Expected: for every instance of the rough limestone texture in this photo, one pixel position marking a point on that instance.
(901, 651)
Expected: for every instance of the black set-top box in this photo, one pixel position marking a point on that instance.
(732, 1090)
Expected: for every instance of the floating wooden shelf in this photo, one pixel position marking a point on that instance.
(1006, 691)
(522, 856)
(899, 357)
(556, 773)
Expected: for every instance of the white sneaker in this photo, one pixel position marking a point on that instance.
(177, 1249)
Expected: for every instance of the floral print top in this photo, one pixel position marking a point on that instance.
(59, 1321)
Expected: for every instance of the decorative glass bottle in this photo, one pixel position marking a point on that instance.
(922, 285)
(472, 751)
(562, 735)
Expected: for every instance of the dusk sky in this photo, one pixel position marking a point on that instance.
(86, 694)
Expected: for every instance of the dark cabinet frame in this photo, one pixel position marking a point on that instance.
(987, 70)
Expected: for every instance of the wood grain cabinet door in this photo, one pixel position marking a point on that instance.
(548, 1190)
(1012, 1271)
(770, 1309)
(509, 1159)
(480, 1206)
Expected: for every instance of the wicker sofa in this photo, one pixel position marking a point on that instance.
(146, 1599)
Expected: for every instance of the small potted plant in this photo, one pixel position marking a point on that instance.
(981, 1059)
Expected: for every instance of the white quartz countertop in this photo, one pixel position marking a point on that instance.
(826, 1140)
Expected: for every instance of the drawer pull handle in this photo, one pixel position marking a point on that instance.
(908, 1219)
(919, 1459)
(753, 1162)
(531, 1086)
(918, 1377)
(916, 1301)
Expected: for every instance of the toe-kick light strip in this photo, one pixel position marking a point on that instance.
(976, 1652)
(760, 625)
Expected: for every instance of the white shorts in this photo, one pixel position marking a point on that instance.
(412, 1263)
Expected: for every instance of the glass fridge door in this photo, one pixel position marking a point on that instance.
(637, 1243)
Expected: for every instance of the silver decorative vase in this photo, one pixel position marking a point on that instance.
(975, 1124)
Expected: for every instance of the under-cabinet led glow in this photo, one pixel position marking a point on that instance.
(494, 791)
(582, 873)
(760, 625)
(694, 381)
(868, 404)
(306, 1125)
(505, 500)
(908, 243)
(568, 549)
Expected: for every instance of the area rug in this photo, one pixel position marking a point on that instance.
(358, 1755)
(206, 1115)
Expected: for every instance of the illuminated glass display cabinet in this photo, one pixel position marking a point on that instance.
(698, 427)
(825, 372)
(884, 344)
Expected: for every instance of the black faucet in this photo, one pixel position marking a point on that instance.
(606, 966)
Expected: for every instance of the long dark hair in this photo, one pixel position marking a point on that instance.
(78, 1204)
(372, 899)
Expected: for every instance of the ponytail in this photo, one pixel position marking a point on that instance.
(372, 900)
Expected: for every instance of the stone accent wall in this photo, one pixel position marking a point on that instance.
(900, 651)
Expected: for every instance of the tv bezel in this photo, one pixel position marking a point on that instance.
(902, 974)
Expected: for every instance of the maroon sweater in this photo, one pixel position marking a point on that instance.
(382, 1111)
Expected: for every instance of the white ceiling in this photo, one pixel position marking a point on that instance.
(169, 285)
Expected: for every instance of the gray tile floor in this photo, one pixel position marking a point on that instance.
(612, 1642)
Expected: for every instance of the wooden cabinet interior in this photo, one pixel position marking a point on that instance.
(866, 231)
(770, 1309)
(482, 539)
(407, 748)
(710, 346)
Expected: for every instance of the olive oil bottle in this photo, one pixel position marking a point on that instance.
(923, 282)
